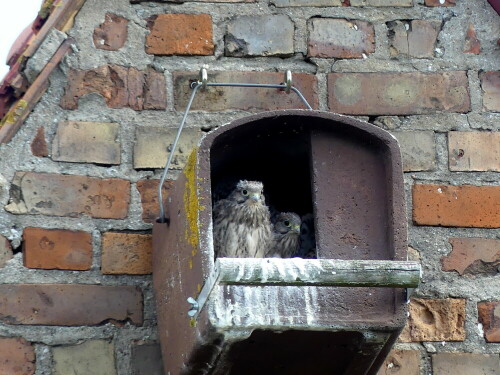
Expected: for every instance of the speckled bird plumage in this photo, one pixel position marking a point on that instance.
(286, 231)
(242, 226)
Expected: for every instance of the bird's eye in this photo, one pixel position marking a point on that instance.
(244, 192)
(287, 223)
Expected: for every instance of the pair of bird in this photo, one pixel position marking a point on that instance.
(243, 229)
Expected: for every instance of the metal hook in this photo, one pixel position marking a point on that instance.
(202, 82)
(203, 78)
(288, 81)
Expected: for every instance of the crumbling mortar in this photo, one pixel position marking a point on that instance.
(442, 157)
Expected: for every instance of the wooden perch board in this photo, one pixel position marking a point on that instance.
(318, 272)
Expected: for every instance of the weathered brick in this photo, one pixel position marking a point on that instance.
(5, 251)
(418, 150)
(44, 53)
(69, 304)
(440, 3)
(147, 359)
(490, 85)
(57, 249)
(459, 206)
(465, 364)
(398, 93)
(198, 1)
(310, 3)
(65, 195)
(267, 35)
(472, 43)
(381, 3)
(474, 151)
(153, 145)
(489, 316)
(111, 35)
(473, 256)
(155, 92)
(180, 34)
(87, 142)
(120, 86)
(337, 3)
(340, 38)
(148, 190)
(415, 38)
(96, 357)
(435, 320)
(401, 362)
(17, 356)
(250, 99)
(39, 144)
(126, 253)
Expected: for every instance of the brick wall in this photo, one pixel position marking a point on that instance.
(78, 181)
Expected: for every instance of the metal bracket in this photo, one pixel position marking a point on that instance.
(193, 310)
(202, 82)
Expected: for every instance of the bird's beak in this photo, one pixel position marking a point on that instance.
(255, 197)
(296, 228)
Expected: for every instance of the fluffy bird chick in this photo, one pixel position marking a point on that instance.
(242, 226)
(286, 234)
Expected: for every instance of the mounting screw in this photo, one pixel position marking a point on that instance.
(194, 306)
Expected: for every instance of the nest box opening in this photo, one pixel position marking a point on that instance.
(275, 151)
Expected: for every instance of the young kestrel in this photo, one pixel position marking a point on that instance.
(242, 226)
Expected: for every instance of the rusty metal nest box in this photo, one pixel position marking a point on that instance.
(337, 314)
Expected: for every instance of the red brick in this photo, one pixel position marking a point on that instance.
(457, 206)
(39, 144)
(473, 256)
(248, 99)
(435, 320)
(180, 34)
(472, 43)
(57, 249)
(474, 151)
(340, 38)
(65, 195)
(489, 316)
(440, 3)
(490, 85)
(17, 356)
(120, 86)
(401, 362)
(126, 253)
(5, 251)
(111, 35)
(398, 93)
(465, 364)
(149, 198)
(69, 304)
